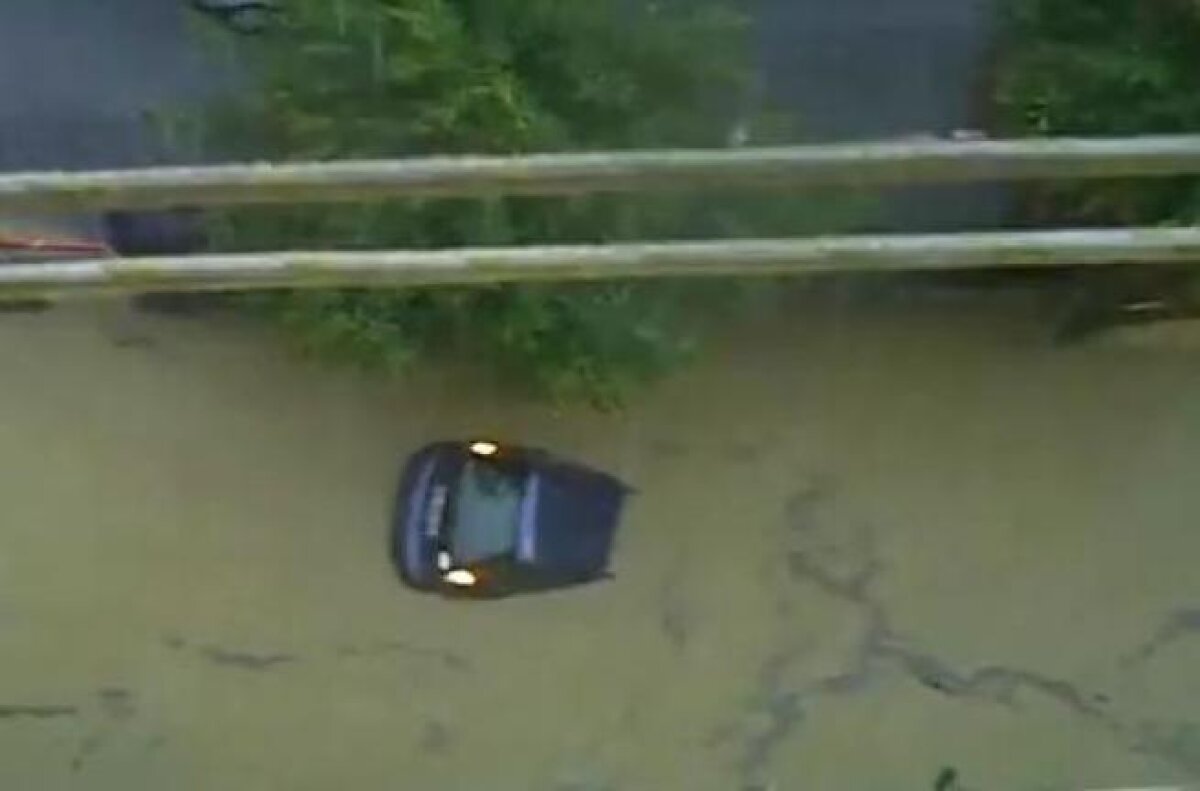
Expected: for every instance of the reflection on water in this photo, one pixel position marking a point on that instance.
(901, 545)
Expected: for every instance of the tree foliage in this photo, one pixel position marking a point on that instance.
(1111, 67)
(386, 78)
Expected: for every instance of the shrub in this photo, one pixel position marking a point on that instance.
(1105, 67)
(383, 78)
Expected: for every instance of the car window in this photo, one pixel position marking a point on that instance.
(487, 508)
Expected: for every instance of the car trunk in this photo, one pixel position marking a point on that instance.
(577, 515)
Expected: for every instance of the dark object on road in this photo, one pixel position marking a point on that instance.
(1132, 294)
(481, 520)
(168, 232)
(244, 16)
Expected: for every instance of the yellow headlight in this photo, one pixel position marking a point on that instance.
(462, 578)
(485, 448)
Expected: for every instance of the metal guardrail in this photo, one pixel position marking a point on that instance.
(326, 269)
(896, 162)
(902, 162)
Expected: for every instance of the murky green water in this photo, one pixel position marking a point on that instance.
(874, 547)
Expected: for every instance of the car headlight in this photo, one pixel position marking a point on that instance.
(461, 578)
(484, 448)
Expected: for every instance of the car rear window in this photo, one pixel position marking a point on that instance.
(487, 509)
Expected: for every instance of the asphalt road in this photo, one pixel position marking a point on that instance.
(78, 79)
(876, 68)
(864, 69)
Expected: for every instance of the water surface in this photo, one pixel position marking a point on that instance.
(875, 545)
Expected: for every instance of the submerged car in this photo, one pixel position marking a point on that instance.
(479, 519)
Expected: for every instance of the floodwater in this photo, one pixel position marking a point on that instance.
(901, 544)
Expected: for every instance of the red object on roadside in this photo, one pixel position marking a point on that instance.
(25, 244)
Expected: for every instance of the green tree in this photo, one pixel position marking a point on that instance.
(1104, 67)
(385, 78)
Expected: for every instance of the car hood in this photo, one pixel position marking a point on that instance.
(570, 520)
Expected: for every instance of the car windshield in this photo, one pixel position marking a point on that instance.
(487, 511)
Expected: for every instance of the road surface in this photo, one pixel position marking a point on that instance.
(869, 69)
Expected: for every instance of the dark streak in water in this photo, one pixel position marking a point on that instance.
(847, 572)
(997, 683)
(245, 660)
(87, 748)
(668, 449)
(782, 710)
(742, 452)
(674, 623)
(1179, 624)
(946, 780)
(675, 618)
(13, 711)
(1179, 742)
(219, 655)
(133, 340)
(436, 738)
(117, 703)
(448, 659)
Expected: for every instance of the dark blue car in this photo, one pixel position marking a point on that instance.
(479, 519)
